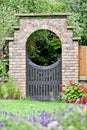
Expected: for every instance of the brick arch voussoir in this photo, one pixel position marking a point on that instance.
(50, 28)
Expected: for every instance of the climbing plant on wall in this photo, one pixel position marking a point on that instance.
(4, 63)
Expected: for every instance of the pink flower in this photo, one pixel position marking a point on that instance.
(63, 91)
(78, 100)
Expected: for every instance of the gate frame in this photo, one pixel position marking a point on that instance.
(30, 23)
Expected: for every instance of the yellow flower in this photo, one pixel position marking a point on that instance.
(85, 109)
(43, 128)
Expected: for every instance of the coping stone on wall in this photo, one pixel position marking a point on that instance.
(76, 38)
(15, 27)
(54, 15)
(9, 39)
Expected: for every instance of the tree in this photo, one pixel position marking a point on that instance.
(79, 7)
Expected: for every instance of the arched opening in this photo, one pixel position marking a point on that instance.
(43, 47)
(44, 71)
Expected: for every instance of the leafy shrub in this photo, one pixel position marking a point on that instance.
(16, 93)
(74, 92)
(9, 90)
(2, 69)
(3, 91)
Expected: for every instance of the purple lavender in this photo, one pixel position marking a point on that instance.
(1, 124)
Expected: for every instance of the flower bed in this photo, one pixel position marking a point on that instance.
(74, 93)
(62, 119)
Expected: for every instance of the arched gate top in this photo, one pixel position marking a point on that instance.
(43, 67)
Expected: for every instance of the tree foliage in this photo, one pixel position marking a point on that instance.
(9, 7)
(79, 8)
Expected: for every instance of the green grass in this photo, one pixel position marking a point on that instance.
(26, 106)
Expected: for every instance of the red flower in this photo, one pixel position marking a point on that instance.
(80, 87)
(63, 91)
(85, 90)
(70, 82)
(83, 100)
(73, 100)
(73, 86)
(62, 85)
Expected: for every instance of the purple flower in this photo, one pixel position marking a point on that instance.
(32, 119)
(86, 104)
(5, 113)
(1, 124)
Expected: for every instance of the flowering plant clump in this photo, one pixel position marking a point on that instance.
(74, 93)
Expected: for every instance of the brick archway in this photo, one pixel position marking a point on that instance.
(30, 23)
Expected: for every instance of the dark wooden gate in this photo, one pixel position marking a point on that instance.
(43, 81)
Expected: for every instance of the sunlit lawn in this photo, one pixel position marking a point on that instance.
(27, 106)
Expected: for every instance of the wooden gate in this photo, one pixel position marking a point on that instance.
(83, 62)
(43, 81)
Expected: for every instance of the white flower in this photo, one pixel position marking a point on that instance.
(71, 127)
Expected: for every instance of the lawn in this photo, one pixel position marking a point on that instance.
(27, 106)
(36, 115)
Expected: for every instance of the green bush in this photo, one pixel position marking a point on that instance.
(3, 91)
(16, 94)
(9, 90)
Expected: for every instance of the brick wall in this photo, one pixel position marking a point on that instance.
(17, 47)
